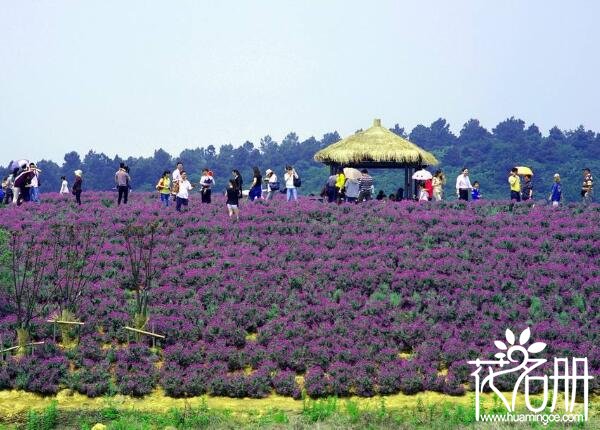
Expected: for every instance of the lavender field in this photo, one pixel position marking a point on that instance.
(379, 298)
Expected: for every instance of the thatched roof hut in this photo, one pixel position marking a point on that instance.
(375, 147)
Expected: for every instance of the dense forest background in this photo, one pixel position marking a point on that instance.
(489, 155)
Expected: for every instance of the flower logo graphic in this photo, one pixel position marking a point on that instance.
(516, 357)
(534, 348)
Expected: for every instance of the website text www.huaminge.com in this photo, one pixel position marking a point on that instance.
(544, 419)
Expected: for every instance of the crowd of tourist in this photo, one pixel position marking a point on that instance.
(23, 183)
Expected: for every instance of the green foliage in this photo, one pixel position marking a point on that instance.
(44, 420)
(320, 409)
(273, 416)
(324, 414)
(5, 258)
(395, 299)
(535, 309)
(579, 302)
(353, 411)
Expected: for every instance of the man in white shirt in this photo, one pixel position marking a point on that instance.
(176, 177)
(463, 185)
(183, 194)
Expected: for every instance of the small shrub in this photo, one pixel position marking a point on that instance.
(285, 384)
(135, 372)
(317, 384)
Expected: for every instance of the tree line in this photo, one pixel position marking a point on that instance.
(489, 155)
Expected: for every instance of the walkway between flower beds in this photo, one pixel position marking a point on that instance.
(14, 403)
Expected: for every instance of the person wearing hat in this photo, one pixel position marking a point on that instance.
(587, 188)
(77, 186)
(556, 192)
(272, 183)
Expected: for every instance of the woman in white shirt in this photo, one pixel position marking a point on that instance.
(289, 177)
(64, 185)
(183, 194)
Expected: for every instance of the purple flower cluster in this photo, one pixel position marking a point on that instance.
(91, 375)
(376, 298)
(44, 372)
(135, 370)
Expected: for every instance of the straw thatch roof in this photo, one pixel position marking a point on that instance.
(375, 145)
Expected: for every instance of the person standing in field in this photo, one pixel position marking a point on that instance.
(463, 185)
(239, 181)
(515, 184)
(291, 179)
(330, 187)
(587, 187)
(175, 177)
(77, 186)
(8, 193)
(527, 189)
(256, 187)
(64, 185)
(556, 192)
(365, 186)
(423, 195)
(122, 179)
(34, 185)
(164, 188)
(272, 183)
(428, 185)
(340, 186)
(437, 182)
(233, 198)
(183, 192)
(206, 183)
(22, 185)
(352, 190)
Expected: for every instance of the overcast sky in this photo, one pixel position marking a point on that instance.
(127, 77)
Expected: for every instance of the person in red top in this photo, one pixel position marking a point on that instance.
(429, 188)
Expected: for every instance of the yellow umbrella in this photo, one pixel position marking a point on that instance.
(522, 170)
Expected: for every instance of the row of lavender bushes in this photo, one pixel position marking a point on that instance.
(377, 298)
